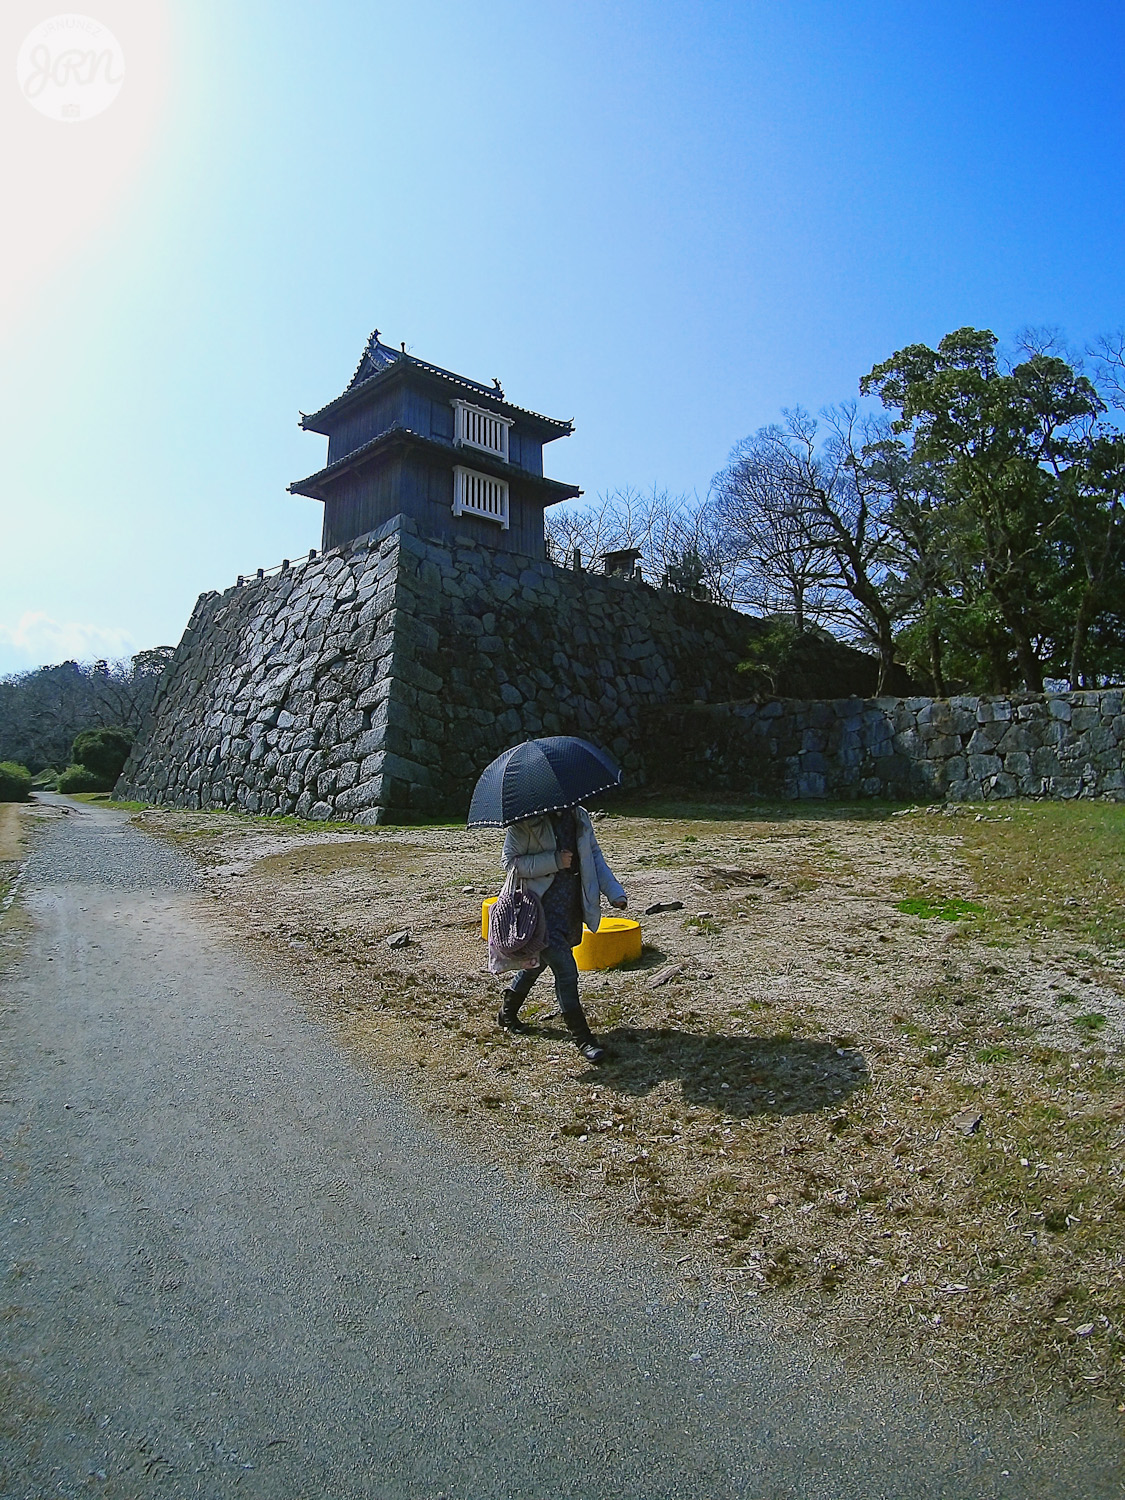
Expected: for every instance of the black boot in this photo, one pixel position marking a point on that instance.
(579, 1029)
(509, 1017)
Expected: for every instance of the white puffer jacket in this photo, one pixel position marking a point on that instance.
(530, 847)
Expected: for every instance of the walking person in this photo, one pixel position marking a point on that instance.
(536, 790)
(557, 856)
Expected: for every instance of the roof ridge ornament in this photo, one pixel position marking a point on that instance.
(374, 359)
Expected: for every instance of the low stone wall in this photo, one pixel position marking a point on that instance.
(965, 749)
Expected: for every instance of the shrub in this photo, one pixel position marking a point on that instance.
(768, 654)
(82, 779)
(15, 782)
(103, 752)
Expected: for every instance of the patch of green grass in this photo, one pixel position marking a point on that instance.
(1053, 866)
(302, 825)
(995, 1054)
(283, 820)
(920, 1035)
(948, 908)
(262, 820)
(665, 859)
(1089, 1024)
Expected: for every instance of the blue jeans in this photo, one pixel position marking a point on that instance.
(561, 963)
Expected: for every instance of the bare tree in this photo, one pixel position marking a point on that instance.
(811, 521)
(1043, 339)
(698, 542)
(1108, 356)
(604, 525)
(759, 502)
(666, 529)
(850, 507)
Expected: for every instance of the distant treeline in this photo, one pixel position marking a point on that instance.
(42, 711)
(973, 533)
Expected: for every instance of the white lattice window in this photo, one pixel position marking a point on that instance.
(480, 495)
(476, 428)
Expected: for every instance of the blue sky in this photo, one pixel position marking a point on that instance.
(665, 221)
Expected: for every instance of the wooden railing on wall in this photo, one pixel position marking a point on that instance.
(284, 566)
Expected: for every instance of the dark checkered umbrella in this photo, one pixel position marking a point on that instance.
(540, 776)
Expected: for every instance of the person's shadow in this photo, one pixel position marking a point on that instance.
(742, 1076)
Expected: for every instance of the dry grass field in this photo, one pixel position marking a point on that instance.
(880, 1082)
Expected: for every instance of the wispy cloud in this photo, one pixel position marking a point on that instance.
(36, 640)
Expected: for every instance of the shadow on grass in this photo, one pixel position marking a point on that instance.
(651, 957)
(741, 1076)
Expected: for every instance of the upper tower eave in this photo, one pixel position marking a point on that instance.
(551, 491)
(381, 367)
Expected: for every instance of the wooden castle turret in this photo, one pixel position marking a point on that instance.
(408, 438)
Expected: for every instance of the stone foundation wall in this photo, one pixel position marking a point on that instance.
(965, 749)
(379, 680)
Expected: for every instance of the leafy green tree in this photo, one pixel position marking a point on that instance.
(949, 632)
(768, 654)
(997, 444)
(1091, 547)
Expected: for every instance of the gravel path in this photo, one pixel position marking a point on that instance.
(234, 1259)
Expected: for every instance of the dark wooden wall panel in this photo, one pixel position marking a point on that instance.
(530, 452)
(360, 426)
(409, 485)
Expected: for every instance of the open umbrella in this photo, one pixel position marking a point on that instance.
(540, 776)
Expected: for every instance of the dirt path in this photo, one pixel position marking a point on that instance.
(235, 1258)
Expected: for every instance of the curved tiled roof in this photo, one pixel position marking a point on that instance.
(377, 359)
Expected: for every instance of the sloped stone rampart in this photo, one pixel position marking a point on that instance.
(963, 749)
(274, 699)
(377, 681)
